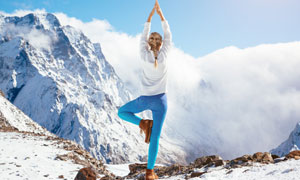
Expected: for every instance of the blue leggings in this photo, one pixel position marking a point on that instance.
(158, 105)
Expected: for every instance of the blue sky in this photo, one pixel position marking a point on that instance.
(199, 27)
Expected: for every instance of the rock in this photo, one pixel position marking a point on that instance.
(230, 171)
(274, 156)
(219, 163)
(297, 157)
(197, 174)
(86, 174)
(267, 158)
(257, 157)
(61, 177)
(244, 158)
(293, 154)
(137, 167)
(206, 160)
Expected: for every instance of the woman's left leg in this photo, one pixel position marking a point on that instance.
(159, 112)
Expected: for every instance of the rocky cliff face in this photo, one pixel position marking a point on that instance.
(61, 80)
(291, 144)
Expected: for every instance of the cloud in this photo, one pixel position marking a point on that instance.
(230, 102)
(35, 37)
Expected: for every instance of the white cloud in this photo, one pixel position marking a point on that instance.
(36, 38)
(232, 101)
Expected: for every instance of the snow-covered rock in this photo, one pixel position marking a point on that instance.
(291, 144)
(62, 81)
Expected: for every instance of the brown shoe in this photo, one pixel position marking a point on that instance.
(146, 127)
(150, 174)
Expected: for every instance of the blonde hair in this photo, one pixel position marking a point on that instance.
(156, 33)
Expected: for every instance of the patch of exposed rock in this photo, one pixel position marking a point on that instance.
(201, 165)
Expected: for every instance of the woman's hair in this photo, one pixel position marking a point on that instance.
(156, 33)
(156, 46)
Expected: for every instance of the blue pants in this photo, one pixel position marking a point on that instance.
(158, 105)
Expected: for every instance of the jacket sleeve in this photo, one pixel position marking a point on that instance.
(167, 42)
(144, 40)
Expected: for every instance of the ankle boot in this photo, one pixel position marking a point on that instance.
(150, 174)
(146, 127)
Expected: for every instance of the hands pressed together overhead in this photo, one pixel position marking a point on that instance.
(158, 10)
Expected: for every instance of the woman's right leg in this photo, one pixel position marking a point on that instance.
(127, 111)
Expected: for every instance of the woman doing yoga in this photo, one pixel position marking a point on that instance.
(153, 97)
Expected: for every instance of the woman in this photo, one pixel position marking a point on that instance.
(153, 52)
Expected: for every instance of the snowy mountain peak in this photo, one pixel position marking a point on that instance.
(291, 144)
(37, 20)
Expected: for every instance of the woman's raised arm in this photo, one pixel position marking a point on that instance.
(152, 13)
(158, 10)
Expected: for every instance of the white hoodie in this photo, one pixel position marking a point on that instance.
(154, 80)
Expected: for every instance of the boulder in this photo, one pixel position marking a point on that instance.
(219, 163)
(267, 158)
(206, 160)
(257, 157)
(293, 154)
(86, 174)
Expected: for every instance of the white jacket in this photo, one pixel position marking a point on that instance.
(154, 80)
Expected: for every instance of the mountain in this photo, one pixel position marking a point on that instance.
(291, 144)
(62, 81)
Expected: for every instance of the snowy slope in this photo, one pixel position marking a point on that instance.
(18, 119)
(62, 81)
(29, 151)
(32, 157)
(291, 144)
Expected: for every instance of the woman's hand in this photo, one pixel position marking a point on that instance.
(152, 12)
(158, 10)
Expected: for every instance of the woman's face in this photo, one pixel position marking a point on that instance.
(155, 41)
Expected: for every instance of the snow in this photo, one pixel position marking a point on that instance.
(18, 119)
(32, 157)
(118, 169)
